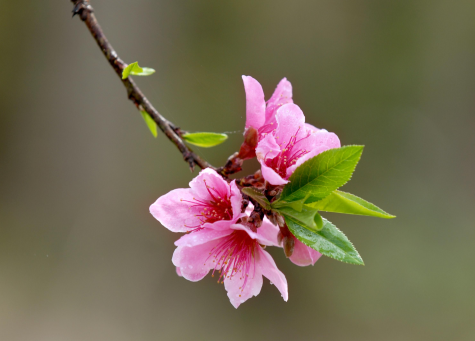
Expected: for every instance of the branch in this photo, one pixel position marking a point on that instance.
(85, 12)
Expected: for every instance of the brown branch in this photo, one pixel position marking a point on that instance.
(84, 10)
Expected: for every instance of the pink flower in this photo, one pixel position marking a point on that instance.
(209, 202)
(304, 255)
(285, 141)
(290, 143)
(259, 114)
(235, 255)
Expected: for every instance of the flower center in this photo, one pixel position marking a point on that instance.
(288, 155)
(217, 208)
(235, 256)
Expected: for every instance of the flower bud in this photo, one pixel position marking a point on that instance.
(271, 217)
(280, 220)
(256, 218)
(251, 137)
(289, 243)
(248, 147)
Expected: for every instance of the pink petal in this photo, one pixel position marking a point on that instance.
(211, 178)
(270, 175)
(173, 210)
(267, 148)
(178, 272)
(316, 143)
(290, 120)
(202, 236)
(255, 103)
(222, 225)
(194, 262)
(234, 286)
(269, 269)
(236, 201)
(267, 233)
(304, 255)
(192, 255)
(324, 138)
(240, 227)
(311, 127)
(282, 95)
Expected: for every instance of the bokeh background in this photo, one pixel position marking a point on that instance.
(82, 259)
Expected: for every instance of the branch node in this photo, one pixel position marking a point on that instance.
(233, 165)
(80, 6)
(191, 161)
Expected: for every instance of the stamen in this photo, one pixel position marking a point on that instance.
(235, 254)
(287, 156)
(218, 208)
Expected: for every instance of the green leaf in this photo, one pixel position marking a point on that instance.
(305, 217)
(135, 70)
(319, 221)
(205, 140)
(150, 123)
(257, 196)
(342, 202)
(322, 174)
(296, 205)
(329, 241)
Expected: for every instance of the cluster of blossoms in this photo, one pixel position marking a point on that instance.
(226, 232)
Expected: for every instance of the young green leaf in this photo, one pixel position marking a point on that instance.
(322, 174)
(306, 217)
(257, 196)
(319, 221)
(150, 123)
(329, 241)
(135, 70)
(205, 140)
(296, 205)
(342, 202)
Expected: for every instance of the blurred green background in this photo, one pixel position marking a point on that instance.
(82, 259)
